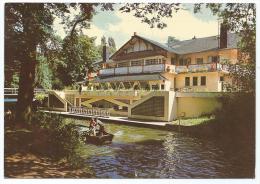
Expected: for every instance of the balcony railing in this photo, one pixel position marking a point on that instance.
(128, 93)
(137, 69)
(201, 68)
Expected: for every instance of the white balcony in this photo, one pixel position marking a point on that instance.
(154, 68)
(201, 68)
(107, 71)
(137, 69)
(181, 69)
(121, 70)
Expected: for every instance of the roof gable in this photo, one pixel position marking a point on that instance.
(150, 45)
(186, 46)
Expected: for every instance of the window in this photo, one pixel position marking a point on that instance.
(136, 63)
(173, 61)
(181, 62)
(187, 81)
(195, 81)
(203, 81)
(153, 61)
(187, 61)
(199, 61)
(155, 87)
(213, 59)
(221, 78)
(124, 64)
(162, 86)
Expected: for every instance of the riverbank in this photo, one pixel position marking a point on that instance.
(26, 156)
(28, 165)
(136, 152)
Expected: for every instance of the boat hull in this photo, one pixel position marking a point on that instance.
(106, 138)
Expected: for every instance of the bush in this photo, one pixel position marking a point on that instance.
(56, 137)
(237, 115)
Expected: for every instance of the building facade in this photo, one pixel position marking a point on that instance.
(145, 79)
(196, 65)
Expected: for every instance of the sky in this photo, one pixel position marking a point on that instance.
(121, 26)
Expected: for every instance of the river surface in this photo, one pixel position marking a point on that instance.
(149, 153)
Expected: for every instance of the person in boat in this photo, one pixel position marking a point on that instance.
(101, 127)
(92, 127)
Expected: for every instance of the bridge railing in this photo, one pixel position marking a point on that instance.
(14, 91)
(89, 111)
(11, 91)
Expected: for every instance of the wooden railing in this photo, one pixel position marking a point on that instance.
(89, 111)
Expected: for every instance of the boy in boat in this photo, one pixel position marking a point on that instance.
(101, 127)
(92, 127)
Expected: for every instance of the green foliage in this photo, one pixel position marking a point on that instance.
(40, 96)
(171, 40)
(79, 52)
(15, 81)
(103, 41)
(57, 137)
(151, 13)
(43, 77)
(111, 45)
(237, 115)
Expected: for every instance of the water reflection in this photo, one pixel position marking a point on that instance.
(148, 153)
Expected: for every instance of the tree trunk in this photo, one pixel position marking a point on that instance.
(26, 89)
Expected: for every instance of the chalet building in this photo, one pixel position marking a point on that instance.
(194, 65)
(145, 79)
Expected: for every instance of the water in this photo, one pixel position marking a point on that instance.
(148, 153)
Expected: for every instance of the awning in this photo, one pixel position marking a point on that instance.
(127, 78)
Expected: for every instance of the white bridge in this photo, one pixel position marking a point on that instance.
(14, 91)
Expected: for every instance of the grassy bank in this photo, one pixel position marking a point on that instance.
(50, 148)
(192, 121)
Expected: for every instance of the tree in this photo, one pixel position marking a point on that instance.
(171, 40)
(103, 41)
(111, 44)
(43, 77)
(151, 13)
(28, 25)
(79, 51)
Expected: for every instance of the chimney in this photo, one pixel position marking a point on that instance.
(105, 53)
(223, 36)
(135, 34)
